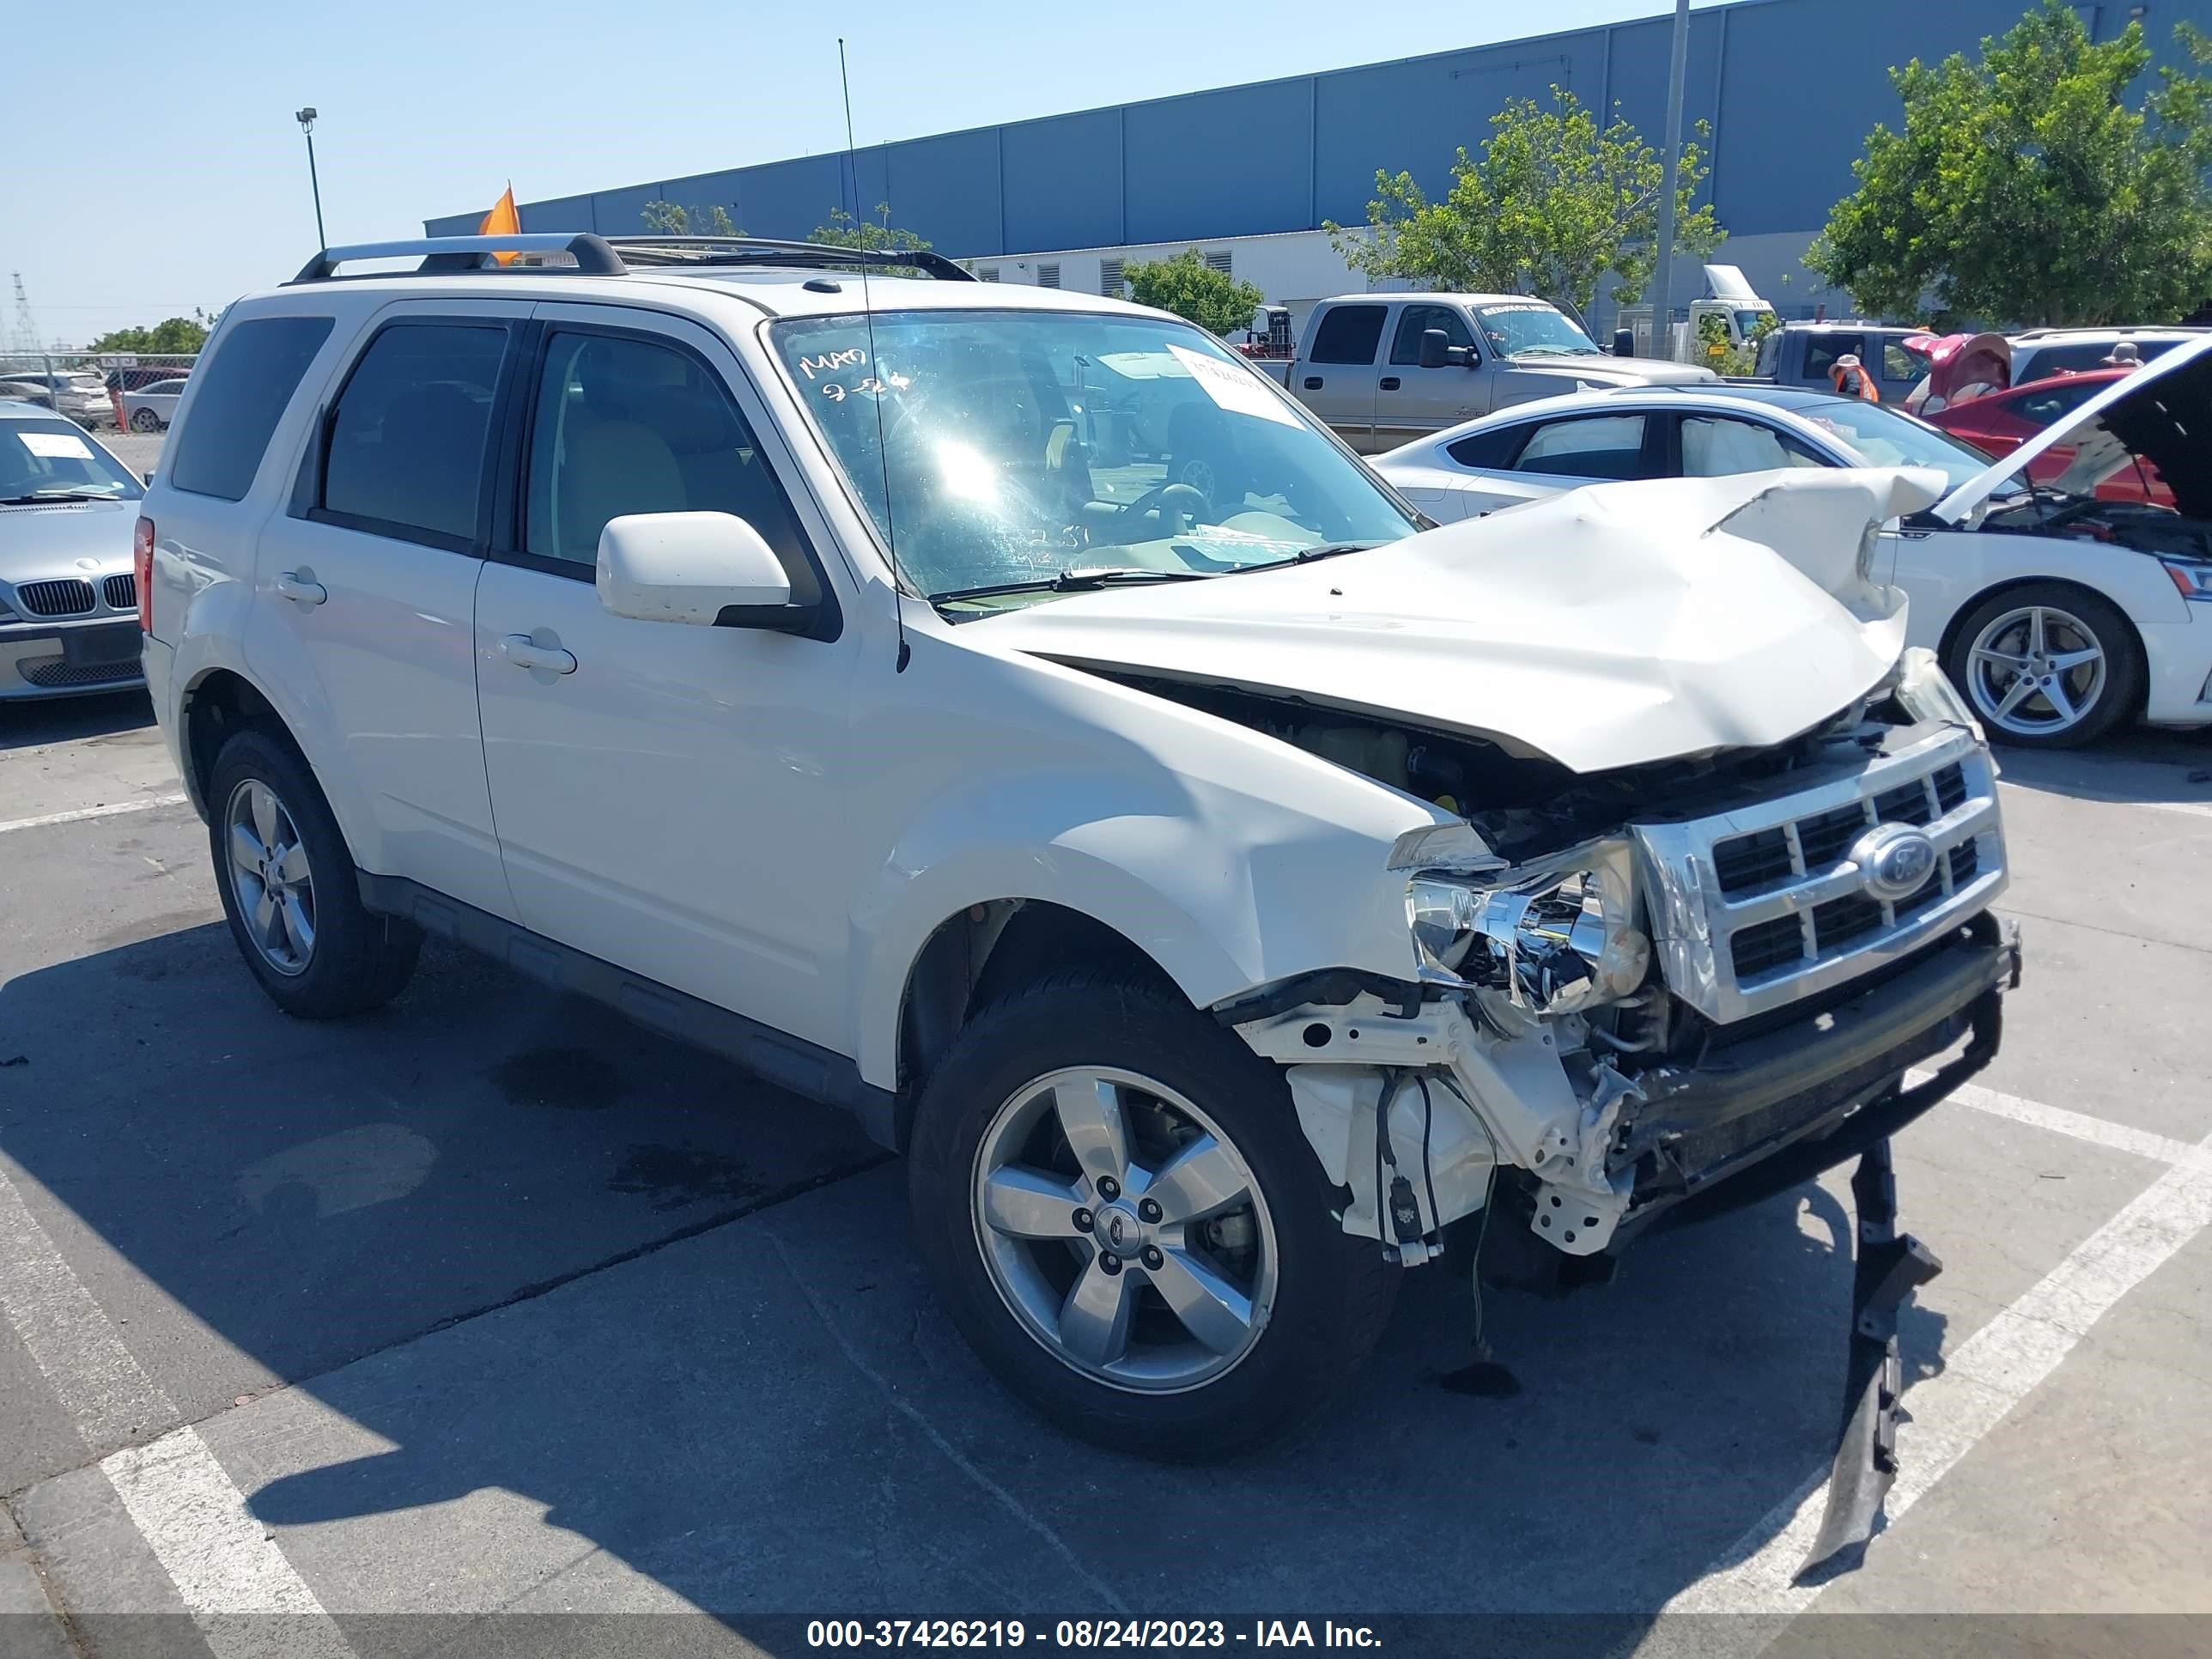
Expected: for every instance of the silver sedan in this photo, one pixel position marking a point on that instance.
(69, 598)
(150, 408)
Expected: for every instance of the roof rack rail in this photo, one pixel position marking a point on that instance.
(766, 251)
(445, 255)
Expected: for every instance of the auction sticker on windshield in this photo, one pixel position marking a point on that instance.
(56, 445)
(1230, 388)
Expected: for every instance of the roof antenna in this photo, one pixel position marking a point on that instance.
(875, 366)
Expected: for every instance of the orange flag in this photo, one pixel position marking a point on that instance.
(502, 221)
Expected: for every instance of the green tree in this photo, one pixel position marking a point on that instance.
(667, 219)
(2024, 189)
(1555, 203)
(1194, 290)
(176, 334)
(876, 235)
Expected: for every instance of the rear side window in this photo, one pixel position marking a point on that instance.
(1493, 449)
(1348, 334)
(406, 447)
(243, 392)
(1592, 446)
(1821, 351)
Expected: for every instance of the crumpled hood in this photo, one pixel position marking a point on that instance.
(1610, 626)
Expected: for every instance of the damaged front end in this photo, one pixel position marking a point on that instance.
(1709, 987)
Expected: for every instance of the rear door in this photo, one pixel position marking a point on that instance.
(1410, 401)
(1336, 376)
(365, 590)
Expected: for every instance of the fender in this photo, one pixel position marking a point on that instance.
(1230, 858)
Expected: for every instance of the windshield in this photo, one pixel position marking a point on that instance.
(1023, 449)
(52, 461)
(1530, 327)
(1886, 438)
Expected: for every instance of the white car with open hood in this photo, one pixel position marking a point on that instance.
(1221, 894)
(2066, 587)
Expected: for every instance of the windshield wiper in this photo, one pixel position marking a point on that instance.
(1072, 580)
(1307, 555)
(38, 496)
(1558, 351)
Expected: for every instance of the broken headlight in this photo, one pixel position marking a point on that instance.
(1555, 938)
(1924, 692)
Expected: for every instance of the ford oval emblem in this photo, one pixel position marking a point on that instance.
(1895, 860)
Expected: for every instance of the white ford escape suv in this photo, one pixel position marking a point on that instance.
(1216, 887)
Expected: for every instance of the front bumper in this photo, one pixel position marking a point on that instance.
(66, 660)
(1764, 1114)
(2178, 656)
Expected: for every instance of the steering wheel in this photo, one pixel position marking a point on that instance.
(1185, 500)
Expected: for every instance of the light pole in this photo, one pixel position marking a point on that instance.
(1663, 271)
(306, 118)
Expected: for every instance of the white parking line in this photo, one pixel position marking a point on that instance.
(1982, 1380)
(178, 1495)
(83, 812)
(2121, 1138)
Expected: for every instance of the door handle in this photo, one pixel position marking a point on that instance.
(290, 584)
(1389, 383)
(525, 653)
(1313, 382)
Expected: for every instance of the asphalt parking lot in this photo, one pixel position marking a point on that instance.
(337, 1339)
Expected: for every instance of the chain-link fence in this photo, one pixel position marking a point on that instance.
(128, 398)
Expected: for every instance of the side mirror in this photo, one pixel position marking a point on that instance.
(1623, 343)
(711, 569)
(1436, 353)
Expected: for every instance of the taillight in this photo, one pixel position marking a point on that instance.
(142, 573)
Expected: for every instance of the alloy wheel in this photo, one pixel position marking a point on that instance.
(270, 877)
(1124, 1229)
(2036, 671)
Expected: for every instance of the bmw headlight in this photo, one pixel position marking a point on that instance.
(1552, 938)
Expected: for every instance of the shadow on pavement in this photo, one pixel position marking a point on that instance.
(26, 725)
(770, 1419)
(2141, 765)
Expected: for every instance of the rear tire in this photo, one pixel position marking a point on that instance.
(289, 888)
(2047, 665)
(1224, 1211)
(145, 420)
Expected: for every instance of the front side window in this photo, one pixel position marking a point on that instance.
(1720, 447)
(2040, 409)
(1883, 437)
(53, 460)
(1017, 450)
(257, 366)
(624, 425)
(406, 454)
(1590, 446)
(1417, 320)
(1348, 334)
(1530, 328)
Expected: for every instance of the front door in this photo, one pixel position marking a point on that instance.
(366, 585)
(669, 797)
(1410, 401)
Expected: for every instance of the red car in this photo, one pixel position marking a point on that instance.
(1998, 423)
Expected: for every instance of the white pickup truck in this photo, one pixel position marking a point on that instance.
(1383, 369)
(1219, 893)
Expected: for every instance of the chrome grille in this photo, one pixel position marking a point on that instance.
(1755, 908)
(68, 597)
(120, 592)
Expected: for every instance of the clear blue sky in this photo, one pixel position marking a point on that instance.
(155, 165)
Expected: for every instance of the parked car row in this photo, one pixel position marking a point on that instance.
(141, 398)
(2066, 586)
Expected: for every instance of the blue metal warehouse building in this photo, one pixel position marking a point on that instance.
(1789, 87)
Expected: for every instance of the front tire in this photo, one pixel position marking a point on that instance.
(1115, 1203)
(289, 888)
(2048, 665)
(145, 420)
